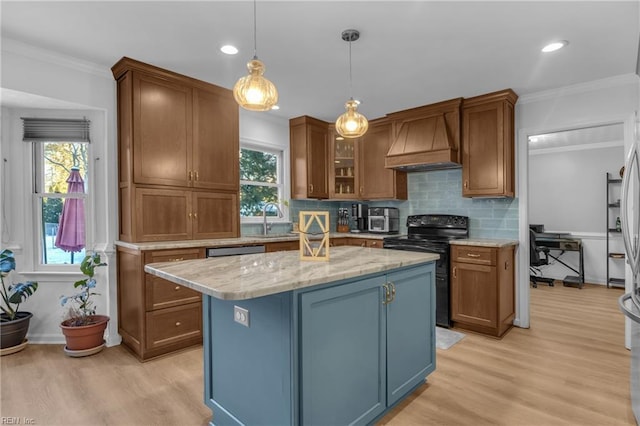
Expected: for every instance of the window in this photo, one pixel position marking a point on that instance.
(60, 194)
(261, 182)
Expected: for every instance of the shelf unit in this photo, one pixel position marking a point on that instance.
(613, 210)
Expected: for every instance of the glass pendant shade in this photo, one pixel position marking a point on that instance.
(352, 124)
(254, 92)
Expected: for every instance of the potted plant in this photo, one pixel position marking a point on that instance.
(82, 328)
(14, 324)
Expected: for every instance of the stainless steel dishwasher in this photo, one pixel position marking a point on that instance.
(234, 251)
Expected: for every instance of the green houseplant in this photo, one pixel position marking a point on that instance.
(14, 324)
(82, 328)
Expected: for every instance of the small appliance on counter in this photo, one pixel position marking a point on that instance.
(359, 216)
(384, 220)
(343, 220)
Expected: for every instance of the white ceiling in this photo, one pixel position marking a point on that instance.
(409, 54)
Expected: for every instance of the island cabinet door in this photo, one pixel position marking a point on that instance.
(342, 354)
(410, 330)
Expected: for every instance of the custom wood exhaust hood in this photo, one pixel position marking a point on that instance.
(426, 138)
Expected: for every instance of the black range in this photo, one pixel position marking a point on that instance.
(431, 233)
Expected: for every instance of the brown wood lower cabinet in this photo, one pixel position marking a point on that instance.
(156, 316)
(482, 288)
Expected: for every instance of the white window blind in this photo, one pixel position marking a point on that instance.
(55, 129)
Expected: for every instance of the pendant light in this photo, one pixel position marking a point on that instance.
(254, 92)
(351, 124)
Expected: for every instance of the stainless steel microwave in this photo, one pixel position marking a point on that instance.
(384, 220)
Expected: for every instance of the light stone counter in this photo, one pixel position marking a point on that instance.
(227, 242)
(255, 275)
(482, 242)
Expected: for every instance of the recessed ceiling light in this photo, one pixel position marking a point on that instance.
(276, 107)
(552, 47)
(229, 49)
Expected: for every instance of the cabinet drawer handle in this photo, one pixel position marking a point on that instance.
(393, 292)
(361, 190)
(455, 272)
(506, 264)
(178, 324)
(177, 288)
(473, 255)
(190, 175)
(177, 259)
(466, 184)
(197, 176)
(311, 188)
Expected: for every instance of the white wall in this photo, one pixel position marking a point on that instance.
(38, 72)
(607, 101)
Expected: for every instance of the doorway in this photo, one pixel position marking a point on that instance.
(556, 159)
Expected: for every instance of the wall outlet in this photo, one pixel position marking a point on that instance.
(241, 315)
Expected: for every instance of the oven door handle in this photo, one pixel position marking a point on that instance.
(409, 247)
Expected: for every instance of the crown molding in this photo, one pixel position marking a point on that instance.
(604, 83)
(33, 52)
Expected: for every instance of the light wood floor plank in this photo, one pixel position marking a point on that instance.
(569, 368)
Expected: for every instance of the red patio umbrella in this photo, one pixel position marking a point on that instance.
(71, 229)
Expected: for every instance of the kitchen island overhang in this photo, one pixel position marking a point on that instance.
(334, 342)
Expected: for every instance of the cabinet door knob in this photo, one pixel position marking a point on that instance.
(190, 175)
(197, 176)
(466, 184)
(386, 293)
(195, 215)
(177, 288)
(178, 324)
(363, 244)
(311, 188)
(506, 264)
(361, 190)
(190, 215)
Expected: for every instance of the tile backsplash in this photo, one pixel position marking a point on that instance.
(428, 193)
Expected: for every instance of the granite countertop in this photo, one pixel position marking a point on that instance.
(484, 242)
(255, 275)
(246, 240)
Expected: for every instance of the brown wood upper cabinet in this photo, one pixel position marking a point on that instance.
(488, 145)
(309, 146)
(344, 180)
(183, 135)
(376, 181)
(178, 148)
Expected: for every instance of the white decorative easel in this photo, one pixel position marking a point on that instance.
(314, 249)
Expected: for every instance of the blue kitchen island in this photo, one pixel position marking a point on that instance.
(291, 342)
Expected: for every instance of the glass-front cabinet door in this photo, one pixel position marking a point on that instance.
(343, 169)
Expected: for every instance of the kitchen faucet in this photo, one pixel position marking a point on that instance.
(265, 226)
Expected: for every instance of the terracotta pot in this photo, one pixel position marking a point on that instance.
(85, 336)
(12, 333)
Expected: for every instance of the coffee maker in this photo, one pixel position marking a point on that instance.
(360, 217)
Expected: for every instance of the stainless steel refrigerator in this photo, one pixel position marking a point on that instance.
(630, 301)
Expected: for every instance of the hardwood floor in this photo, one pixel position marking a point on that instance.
(569, 368)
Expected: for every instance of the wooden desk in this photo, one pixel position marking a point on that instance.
(563, 242)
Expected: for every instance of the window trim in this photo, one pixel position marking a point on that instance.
(36, 161)
(283, 177)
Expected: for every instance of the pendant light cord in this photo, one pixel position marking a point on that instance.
(350, 78)
(255, 37)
